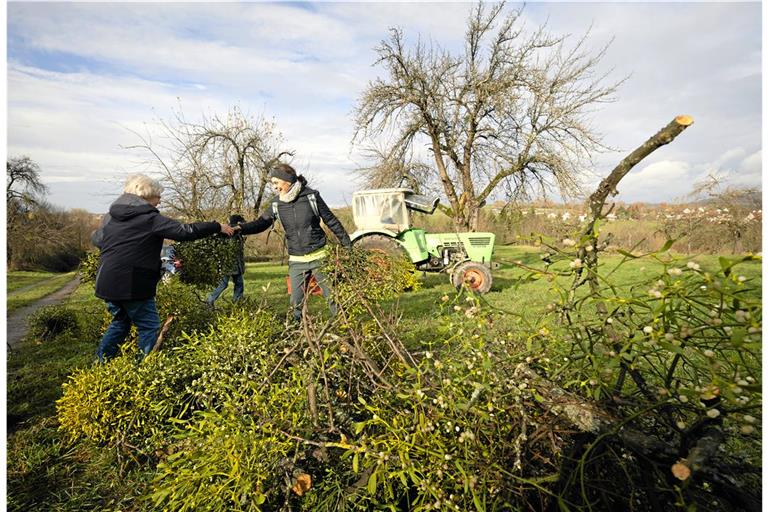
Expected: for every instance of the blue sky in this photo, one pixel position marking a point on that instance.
(81, 76)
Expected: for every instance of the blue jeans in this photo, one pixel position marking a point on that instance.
(142, 313)
(237, 279)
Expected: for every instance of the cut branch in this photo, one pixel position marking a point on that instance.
(608, 186)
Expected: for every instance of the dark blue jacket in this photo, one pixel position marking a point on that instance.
(131, 238)
(303, 233)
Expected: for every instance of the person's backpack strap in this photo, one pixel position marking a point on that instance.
(313, 203)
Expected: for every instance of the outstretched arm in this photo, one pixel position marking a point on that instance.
(257, 226)
(332, 222)
(175, 230)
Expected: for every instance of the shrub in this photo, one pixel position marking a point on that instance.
(49, 322)
(449, 430)
(245, 417)
(204, 262)
(361, 277)
(113, 404)
(676, 354)
(243, 414)
(133, 405)
(452, 435)
(89, 266)
(227, 459)
(187, 306)
(692, 330)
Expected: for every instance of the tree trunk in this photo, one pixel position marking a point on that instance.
(241, 188)
(462, 222)
(259, 197)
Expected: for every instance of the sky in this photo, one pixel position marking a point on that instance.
(83, 77)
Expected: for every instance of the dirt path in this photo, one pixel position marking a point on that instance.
(17, 320)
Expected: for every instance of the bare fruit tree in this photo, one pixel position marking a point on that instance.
(732, 216)
(24, 192)
(38, 234)
(216, 166)
(22, 182)
(510, 113)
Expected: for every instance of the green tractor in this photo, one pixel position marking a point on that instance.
(382, 220)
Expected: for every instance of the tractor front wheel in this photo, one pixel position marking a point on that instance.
(474, 276)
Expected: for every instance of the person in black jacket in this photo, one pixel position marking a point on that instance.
(238, 268)
(300, 209)
(130, 239)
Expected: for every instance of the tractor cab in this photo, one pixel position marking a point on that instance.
(387, 208)
(383, 223)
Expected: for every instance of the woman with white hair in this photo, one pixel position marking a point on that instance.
(131, 238)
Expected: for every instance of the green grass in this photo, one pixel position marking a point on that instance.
(45, 473)
(27, 287)
(22, 278)
(513, 289)
(36, 369)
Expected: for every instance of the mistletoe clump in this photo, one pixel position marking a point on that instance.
(204, 262)
(52, 321)
(89, 267)
(363, 276)
(136, 406)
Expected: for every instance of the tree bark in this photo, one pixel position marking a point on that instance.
(587, 417)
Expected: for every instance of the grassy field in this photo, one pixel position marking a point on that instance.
(24, 278)
(27, 287)
(513, 288)
(41, 465)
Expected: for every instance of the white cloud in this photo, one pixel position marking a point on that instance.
(747, 172)
(729, 158)
(646, 183)
(753, 164)
(674, 180)
(73, 124)
(80, 74)
(734, 168)
(239, 47)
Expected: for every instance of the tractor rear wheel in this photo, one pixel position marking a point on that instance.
(474, 276)
(381, 243)
(384, 247)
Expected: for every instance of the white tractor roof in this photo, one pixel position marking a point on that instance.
(382, 191)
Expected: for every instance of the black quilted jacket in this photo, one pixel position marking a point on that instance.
(303, 233)
(130, 238)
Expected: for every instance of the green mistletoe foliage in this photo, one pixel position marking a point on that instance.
(204, 262)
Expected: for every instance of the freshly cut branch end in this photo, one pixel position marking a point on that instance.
(684, 120)
(680, 470)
